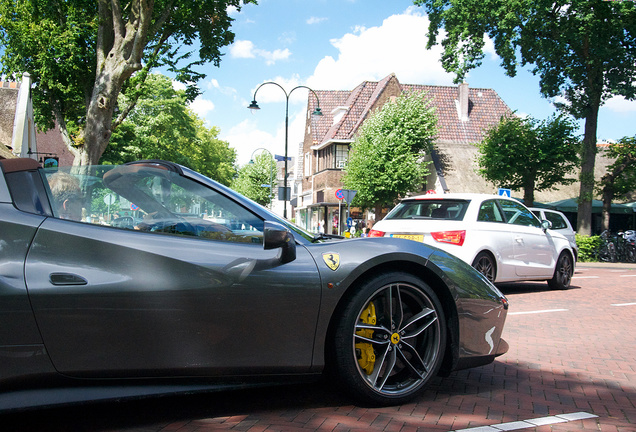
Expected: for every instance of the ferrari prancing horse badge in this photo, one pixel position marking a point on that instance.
(332, 260)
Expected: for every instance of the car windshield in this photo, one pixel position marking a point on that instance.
(149, 197)
(153, 198)
(444, 209)
(297, 230)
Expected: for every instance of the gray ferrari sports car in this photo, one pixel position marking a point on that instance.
(148, 278)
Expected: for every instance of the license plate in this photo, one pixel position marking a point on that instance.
(414, 237)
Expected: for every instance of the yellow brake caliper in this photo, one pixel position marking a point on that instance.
(366, 355)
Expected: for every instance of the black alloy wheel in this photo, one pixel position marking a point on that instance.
(484, 263)
(562, 272)
(390, 340)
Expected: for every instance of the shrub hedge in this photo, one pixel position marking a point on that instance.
(589, 247)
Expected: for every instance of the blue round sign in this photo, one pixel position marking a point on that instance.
(339, 194)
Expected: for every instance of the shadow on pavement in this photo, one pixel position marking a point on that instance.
(487, 386)
(530, 288)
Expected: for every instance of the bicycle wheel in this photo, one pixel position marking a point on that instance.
(631, 253)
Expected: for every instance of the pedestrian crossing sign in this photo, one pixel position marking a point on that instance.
(504, 192)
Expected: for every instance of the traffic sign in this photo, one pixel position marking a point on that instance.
(348, 195)
(109, 199)
(504, 192)
(340, 194)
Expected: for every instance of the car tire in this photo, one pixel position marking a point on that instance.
(390, 339)
(562, 272)
(485, 264)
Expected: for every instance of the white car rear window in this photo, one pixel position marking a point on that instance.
(430, 209)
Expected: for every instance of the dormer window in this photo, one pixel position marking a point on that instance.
(338, 113)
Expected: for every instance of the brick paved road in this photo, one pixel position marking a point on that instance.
(571, 352)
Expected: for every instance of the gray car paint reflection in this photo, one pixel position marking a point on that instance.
(185, 303)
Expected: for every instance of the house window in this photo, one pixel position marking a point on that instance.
(342, 153)
(333, 157)
(307, 164)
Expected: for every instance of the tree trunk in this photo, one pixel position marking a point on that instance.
(608, 194)
(100, 110)
(120, 47)
(528, 191)
(588, 159)
(378, 212)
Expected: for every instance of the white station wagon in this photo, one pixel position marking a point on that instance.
(498, 236)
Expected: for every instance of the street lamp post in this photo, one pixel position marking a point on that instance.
(254, 106)
(271, 174)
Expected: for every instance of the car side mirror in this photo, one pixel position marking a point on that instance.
(546, 225)
(276, 236)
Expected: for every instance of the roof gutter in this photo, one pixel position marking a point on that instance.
(328, 142)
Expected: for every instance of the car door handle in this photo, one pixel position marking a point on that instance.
(519, 240)
(67, 279)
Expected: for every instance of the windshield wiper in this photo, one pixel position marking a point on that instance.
(323, 236)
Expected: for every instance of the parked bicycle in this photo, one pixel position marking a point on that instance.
(607, 252)
(619, 247)
(630, 245)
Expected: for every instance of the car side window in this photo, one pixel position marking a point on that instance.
(489, 212)
(517, 214)
(556, 219)
(150, 199)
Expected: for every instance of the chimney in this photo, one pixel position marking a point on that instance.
(462, 101)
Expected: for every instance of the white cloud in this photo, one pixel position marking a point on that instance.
(201, 106)
(489, 48)
(287, 38)
(242, 49)
(247, 49)
(269, 93)
(178, 86)
(397, 46)
(246, 138)
(213, 84)
(620, 105)
(272, 57)
(316, 20)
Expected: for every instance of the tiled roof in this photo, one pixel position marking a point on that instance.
(485, 110)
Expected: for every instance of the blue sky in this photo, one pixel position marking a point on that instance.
(335, 45)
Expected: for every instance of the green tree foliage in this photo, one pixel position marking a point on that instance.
(583, 50)
(620, 180)
(529, 154)
(387, 158)
(82, 54)
(253, 176)
(162, 127)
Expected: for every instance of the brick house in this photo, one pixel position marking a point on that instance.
(18, 134)
(463, 116)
